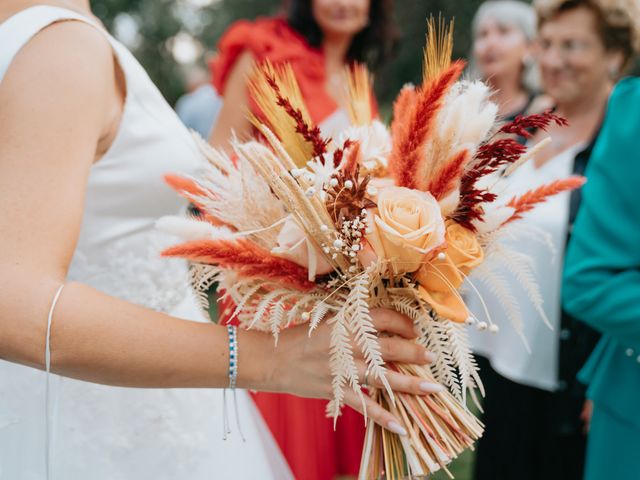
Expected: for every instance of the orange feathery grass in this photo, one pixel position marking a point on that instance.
(414, 130)
(184, 186)
(245, 258)
(438, 49)
(402, 109)
(530, 199)
(359, 82)
(190, 190)
(449, 175)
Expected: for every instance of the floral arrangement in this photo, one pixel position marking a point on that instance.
(299, 228)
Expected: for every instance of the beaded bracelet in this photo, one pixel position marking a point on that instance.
(233, 355)
(233, 381)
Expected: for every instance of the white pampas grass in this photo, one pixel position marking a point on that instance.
(375, 143)
(464, 122)
(192, 229)
(469, 114)
(217, 158)
(241, 198)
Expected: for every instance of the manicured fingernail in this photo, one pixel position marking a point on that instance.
(395, 427)
(430, 357)
(428, 387)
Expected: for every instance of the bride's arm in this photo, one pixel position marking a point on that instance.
(56, 103)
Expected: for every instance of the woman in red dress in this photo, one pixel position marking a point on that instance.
(318, 38)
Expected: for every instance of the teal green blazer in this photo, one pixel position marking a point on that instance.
(602, 267)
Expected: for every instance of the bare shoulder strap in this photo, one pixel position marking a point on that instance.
(17, 30)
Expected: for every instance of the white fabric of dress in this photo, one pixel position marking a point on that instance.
(110, 433)
(506, 349)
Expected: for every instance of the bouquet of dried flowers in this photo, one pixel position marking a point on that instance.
(299, 228)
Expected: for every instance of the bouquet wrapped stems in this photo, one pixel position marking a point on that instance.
(439, 429)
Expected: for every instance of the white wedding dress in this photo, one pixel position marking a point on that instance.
(109, 433)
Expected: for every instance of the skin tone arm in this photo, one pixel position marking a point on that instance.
(233, 115)
(49, 138)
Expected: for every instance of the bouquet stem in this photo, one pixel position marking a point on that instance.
(439, 429)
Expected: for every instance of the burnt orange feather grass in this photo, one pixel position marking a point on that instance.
(530, 199)
(184, 186)
(401, 109)
(449, 176)
(245, 258)
(190, 190)
(415, 128)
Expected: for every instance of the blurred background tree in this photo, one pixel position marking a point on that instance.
(169, 36)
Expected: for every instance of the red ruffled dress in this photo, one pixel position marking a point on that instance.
(307, 439)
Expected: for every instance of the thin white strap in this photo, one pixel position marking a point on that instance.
(47, 366)
(19, 29)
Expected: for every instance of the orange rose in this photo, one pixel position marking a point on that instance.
(440, 279)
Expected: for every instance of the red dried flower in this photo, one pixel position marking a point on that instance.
(522, 124)
(489, 159)
(311, 134)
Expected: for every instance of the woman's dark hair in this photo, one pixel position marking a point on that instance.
(375, 44)
(613, 26)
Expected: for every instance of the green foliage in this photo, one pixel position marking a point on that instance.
(160, 20)
(411, 17)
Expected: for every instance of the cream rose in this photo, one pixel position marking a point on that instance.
(406, 228)
(294, 245)
(441, 278)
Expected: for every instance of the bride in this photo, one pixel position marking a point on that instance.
(85, 140)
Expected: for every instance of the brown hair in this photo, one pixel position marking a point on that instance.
(375, 44)
(614, 27)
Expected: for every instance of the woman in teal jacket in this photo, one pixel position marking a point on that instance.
(602, 288)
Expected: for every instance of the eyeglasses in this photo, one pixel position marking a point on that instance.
(567, 48)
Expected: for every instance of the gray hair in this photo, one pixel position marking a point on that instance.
(520, 15)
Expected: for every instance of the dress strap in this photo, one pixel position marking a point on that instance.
(19, 29)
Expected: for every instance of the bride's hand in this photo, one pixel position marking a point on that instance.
(301, 365)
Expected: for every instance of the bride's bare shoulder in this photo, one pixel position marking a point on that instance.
(68, 42)
(66, 60)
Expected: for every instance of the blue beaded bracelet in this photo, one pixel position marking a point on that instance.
(233, 355)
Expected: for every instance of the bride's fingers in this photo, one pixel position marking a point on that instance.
(399, 382)
(396, 349)
(393, 322)
(375, 412)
